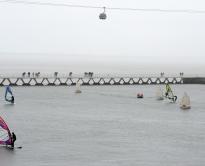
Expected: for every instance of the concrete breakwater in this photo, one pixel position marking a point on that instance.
(69, 81)
(194, 80)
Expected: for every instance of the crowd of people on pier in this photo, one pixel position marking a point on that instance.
(55, 74)
(86, 74)
(29, 74)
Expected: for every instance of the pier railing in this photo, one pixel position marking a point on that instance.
(69, 81)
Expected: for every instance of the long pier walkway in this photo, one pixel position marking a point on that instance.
(69, 81)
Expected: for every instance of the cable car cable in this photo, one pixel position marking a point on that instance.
(191, 11)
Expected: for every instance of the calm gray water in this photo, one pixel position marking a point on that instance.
(104, 126)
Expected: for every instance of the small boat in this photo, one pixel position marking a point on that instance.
(78, 88)
(159, 94)
(140, 95)
(185, 102)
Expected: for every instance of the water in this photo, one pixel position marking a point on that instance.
(104, 126)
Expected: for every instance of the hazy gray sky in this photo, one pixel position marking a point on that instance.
(32, 36)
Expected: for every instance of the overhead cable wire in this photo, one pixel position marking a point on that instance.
(191, 11)
(50, 4)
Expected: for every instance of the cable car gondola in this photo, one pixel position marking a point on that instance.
(103, 15)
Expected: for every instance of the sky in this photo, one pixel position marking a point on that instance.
(50, 38)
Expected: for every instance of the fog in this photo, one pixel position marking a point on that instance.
(50, 38)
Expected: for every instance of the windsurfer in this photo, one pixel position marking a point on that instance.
(13, 139)
(12, 99)
(169, 94)
(9, 93)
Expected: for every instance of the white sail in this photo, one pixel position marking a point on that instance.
(185, 102)
(78, 88)
(159, 94)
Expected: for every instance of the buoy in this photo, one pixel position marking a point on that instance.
(103, 15)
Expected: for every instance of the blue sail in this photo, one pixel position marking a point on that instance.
(9, 93)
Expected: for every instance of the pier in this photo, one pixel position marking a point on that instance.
(69, 81)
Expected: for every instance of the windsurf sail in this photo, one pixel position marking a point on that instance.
(78, 88)
(169, 93)
(5, 134)
(159, 94)
(9, 95)
(185, 101)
